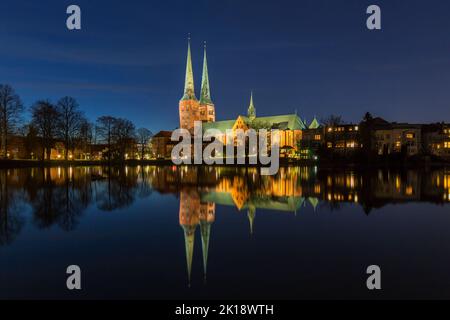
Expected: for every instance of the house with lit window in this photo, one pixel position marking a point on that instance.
(436, 140)
(312, 141)
(398, 138)
(342, 138)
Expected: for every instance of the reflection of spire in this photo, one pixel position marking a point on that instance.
(189, 235)
(205, 229)
(314, 202)
(251, 217)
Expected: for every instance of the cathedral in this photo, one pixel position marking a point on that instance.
(191, 109)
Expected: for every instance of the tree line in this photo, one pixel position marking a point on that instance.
(65, 122)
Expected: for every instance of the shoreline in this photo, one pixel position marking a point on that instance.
(324, 164)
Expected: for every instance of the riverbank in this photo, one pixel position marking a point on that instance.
(336, 163)
(74, 163)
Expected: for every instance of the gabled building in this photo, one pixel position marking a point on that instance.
(342, 138)
(436, 140)
(290, 126)
(312, 140)
(400, 138)
(162, 145)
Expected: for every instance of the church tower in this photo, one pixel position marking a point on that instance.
(189, 105)
(206, 109)
(251, 112)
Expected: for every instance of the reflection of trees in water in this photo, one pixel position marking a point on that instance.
(145, 188)
(60, 201)
(59, 196)
(11, 200)
(118, 190)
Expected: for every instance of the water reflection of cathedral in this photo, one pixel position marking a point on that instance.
(59, 196)
(195, 213)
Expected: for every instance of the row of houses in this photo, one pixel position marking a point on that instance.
(21, 147)
(298, 140)
(379, 138)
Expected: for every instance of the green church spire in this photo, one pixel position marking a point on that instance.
(189, 235)
(205, 228)
(205, 95)
(189, 92)
(251, 112)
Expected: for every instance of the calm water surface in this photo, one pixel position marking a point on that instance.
(203, 232)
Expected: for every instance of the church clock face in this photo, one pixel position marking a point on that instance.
(253, 151)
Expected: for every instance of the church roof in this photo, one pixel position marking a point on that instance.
(219, 125)
(314, 124)
(282, 122)
(286, 203)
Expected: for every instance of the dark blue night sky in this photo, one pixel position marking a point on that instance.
(315, 56)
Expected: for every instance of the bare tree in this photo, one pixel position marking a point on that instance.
(123, 136)
(332, 120)
(104, 131)
(31, 140)
(45, 119)
(85, 136)
(69, 122)
(11, 109)
(143, 136)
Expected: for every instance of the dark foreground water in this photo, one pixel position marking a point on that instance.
(187, 233)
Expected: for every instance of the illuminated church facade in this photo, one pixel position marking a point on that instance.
(192, 109)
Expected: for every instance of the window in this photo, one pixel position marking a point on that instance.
(317, 137)
(356, 128)
(350, 144)
(447, 144)
(330, 129)
(329, 145)
(410, 135)
(398, 144)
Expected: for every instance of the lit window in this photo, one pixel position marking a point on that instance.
(410, 135)
(356, 128)
(330, 129)
(398, 144)
(329, 145)
(317, 137)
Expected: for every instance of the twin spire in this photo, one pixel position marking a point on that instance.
(189, 90)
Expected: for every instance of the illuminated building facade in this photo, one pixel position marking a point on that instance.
(398, 138)
(290, 127)
(436, 138)
(191, 109)
(344, 138)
